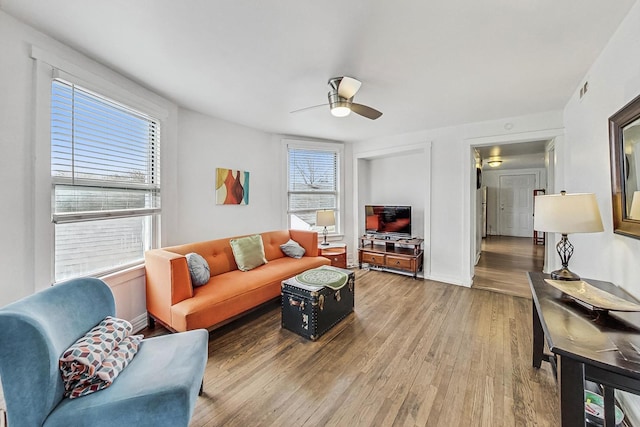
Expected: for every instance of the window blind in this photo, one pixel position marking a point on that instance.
(105, 161)
(312, 183)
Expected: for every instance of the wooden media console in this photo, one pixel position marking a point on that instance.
(403, 255)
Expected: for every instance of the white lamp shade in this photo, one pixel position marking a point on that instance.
(325, 218)
(634, 213)
(568, 213)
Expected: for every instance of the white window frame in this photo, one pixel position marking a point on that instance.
(336, 147)
(100, 186)
(93, 77)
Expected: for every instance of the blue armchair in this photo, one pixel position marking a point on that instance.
(158, 388)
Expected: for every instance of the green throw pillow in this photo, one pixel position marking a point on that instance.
(248, 252)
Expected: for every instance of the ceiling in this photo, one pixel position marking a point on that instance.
(424, 64)
(521, 155)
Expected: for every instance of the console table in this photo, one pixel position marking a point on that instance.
(400, 254)
(601, 347)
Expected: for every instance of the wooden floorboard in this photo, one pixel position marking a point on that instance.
(413, 353)
(504, 262)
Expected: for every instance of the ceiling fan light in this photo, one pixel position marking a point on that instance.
(340, 111)
(340, 107)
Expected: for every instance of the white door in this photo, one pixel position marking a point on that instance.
(516, 205)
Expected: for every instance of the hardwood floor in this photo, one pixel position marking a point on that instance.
(504, 262)
(414, 352)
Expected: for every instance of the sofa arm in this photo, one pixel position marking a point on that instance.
(167, 282)
(307, 239)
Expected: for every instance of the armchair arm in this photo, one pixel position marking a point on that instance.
(167, 282)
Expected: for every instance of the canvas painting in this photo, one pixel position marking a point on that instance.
(232, 187)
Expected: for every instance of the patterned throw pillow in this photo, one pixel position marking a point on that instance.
(96, 359)
(293, 249)
(110, 368)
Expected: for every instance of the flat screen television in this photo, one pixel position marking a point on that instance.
(394, 220)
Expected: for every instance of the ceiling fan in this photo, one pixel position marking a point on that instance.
(341, 93)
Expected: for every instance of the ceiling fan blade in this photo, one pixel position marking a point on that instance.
(348, 87)
(365, 111)
(309, 108)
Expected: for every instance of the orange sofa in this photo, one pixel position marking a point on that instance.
(175, 303)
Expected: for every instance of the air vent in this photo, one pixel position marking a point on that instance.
(584, 89)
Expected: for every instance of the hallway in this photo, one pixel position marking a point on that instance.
(504, 262)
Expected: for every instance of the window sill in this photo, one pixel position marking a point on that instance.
(330, 237)
(119, 277)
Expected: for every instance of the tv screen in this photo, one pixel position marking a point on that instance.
(388, 219)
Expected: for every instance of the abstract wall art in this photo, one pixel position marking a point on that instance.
(232, 187)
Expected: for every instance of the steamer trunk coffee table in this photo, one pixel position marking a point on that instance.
(316, 300)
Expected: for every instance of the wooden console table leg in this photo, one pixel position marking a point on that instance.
(571, 385)
(538, 338)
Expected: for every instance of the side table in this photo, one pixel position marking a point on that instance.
(335, 252)
(584, 345)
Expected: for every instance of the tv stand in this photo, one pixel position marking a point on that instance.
(396, 254)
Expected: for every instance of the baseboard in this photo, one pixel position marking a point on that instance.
(449, 280)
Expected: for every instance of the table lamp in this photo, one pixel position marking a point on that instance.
(634, 212)
(323, 219)
(566, 213)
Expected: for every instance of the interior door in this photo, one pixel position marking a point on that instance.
(516, 205)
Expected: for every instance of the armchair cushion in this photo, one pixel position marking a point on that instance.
(156, 389)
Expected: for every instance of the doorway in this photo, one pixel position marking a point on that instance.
(508, 250)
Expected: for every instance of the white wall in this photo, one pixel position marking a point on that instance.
(614, 80)
(207, 143)
(451, 210)
(16, 251)
(193, 145)
(398, 180)
(400, 174)
(25, 214)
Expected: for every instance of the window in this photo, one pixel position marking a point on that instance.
(106, 182)
(313, 182)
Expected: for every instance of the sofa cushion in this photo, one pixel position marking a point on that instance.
(236, 292)
(292, 249)
(248, 252)
(198, 269)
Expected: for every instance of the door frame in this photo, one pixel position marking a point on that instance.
(469, 178)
